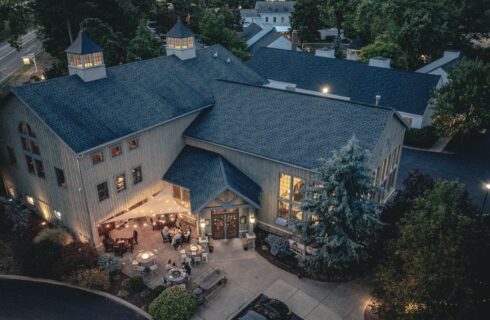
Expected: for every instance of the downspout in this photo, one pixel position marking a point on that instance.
(85, 200)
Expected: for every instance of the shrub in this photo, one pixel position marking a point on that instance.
(420, 138)
(55, 235)
(78, 255)
(43, 259)
(136, 284)
(17, 216)
(109, 263)
(91, 279)
(279, 246)
(156, 292)
(173, 303)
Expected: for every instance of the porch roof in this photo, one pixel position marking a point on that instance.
(207, 174)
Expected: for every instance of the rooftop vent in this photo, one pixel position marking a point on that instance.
(228, 60)
(378, 98)
(215, 54)
(380, 62)
(325, 52)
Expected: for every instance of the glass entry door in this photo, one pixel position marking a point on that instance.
(225, 224)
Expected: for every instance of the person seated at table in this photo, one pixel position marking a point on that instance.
(135, 237)
(168, 266)
(165, 234)
(187, 268)
(177, 240)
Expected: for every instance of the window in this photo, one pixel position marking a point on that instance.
(184, 43)
(296, 213)
(98, 59)
(186, 195)
(274, 19)
(25, 144)
(12, 156)
(97, 157)
(30, 200)
(103, 191)
(283, 210)
(298, 189)
(87, 59)
(30, 164)
(60, 177)
(266, 19)
(75, 60)
(137, 176)
(408, 120)
(284, 186)
(57, 214)
(35, 147)
(170, 43)
(176, 191)
(181, 193)
(26, 130)
(121, 182)
(190, 41)
(116, 150)
(282, 19)
(39, 168)
(133, 144)
(291, 194)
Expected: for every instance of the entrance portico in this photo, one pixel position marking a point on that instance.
(221, 196)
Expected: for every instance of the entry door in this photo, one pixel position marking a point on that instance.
(232, 225)
(218, 226)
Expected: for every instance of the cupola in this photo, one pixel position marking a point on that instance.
(85, 59)
(180, 41)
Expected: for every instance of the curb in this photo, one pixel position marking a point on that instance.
(100, 293)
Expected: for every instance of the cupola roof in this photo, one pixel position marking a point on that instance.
(83, 45)
(179, 30)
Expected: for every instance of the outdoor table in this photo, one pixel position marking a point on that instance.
(145, 258)
(176, 276)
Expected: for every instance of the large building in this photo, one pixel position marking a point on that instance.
(195, 133)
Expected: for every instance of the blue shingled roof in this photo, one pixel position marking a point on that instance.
(179, 30)
(207, 174)
(405, 91)
(288, 127)
(133, 97)
(83, 45)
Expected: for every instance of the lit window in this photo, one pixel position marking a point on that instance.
(57, 214)
(30, 200)
(184, 43)
(283, 210)
(23, 128)
(137, 176)
(30, 164)
(35, 147)
(60, 177)
(12, 156)
(98, 59)
(39, 168)
(176, 191)
(298, 189)
(170, 43)
(116, 150)
(186, 195)
(25, 144)
(190, 42)
(97, 157)
(121, 182)
(87, 59)
(284, 186)
(133, 144)
(103, 191)
(296, 213)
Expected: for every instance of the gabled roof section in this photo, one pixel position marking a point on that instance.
(134, 96)
(405, 91)
(83, 45)
(250, 31)
(179, 30)
(287, 127)
(207, 174)
(449, 58)
(274, 6)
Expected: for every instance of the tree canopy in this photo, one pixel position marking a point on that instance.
(144, 45)
(341, 217)
(306, 19)
(462, 106)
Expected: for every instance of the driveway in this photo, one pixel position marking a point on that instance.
(24, 299)
(249, 274)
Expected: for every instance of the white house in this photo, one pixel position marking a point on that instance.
(269, 13)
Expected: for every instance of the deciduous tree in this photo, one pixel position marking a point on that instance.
(306, 19)
(144, 45)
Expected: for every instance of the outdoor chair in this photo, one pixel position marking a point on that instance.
(140, 269)
(183, 257)
(204, 257)
(154, 268)
(197, 260)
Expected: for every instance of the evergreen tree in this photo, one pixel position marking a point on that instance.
(306, 19)
(144, 45)
(345, 217)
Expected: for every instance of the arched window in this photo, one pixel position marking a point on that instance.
(31, 149)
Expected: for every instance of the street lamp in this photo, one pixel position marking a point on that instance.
(27, 60)
(487, 189)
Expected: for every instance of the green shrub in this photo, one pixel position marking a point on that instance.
(173, 303)
(55, 235)
(91, 279)
(420, 138)
(136, 284)
(279, 246)
(78, 255)
(43, 260)
(156, 292)
(109, 263)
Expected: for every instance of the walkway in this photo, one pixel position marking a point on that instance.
(25, 299)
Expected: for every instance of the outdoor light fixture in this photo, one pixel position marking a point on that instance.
(487, 189)
(252, 218)
(325, 90)
(203, 223)
(27, 59)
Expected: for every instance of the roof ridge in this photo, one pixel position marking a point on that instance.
(222, 167)
(309, 95)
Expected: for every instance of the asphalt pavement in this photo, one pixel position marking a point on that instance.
(11, 59)
(26, 300)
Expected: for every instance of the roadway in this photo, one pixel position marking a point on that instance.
(11, 59)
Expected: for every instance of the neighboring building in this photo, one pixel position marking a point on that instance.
(443, 65)
(269, 13)
(374, 83)
(258, 37)
(96, 148)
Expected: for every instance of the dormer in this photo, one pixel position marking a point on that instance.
(181, 42)
(85, 59)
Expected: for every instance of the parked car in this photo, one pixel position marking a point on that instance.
(252, 315)
(271, 309)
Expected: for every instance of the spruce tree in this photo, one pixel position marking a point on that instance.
(341, 217)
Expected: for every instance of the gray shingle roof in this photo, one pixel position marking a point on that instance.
(274, 6)
(404, 91)
(207, 174)
(179, 30)
(83, 45)
(266, 40)
(133, 97)
(250, 31)
(288, 127)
